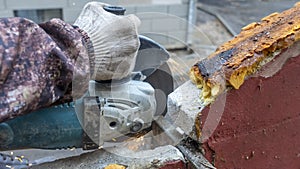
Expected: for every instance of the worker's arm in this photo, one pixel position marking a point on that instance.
(49, 63)
(37, 64)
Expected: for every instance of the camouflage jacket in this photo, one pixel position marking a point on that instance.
(38, 64)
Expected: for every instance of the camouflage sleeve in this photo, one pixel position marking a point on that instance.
(37, 64)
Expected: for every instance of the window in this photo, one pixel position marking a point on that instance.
(39, 15)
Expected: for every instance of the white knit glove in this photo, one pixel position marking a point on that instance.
(114, 38)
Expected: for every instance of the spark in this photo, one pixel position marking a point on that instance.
(19, 159)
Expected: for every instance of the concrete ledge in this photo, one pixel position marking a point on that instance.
(159, 158)
(184, 106)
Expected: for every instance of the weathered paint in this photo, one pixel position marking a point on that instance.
(178, 164)
(259, 127)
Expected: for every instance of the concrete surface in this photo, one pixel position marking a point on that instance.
(167, 156)
(37, 156)
(184, 106)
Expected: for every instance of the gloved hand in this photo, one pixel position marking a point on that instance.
(114, 39)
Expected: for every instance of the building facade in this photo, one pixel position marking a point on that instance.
(167, 22)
